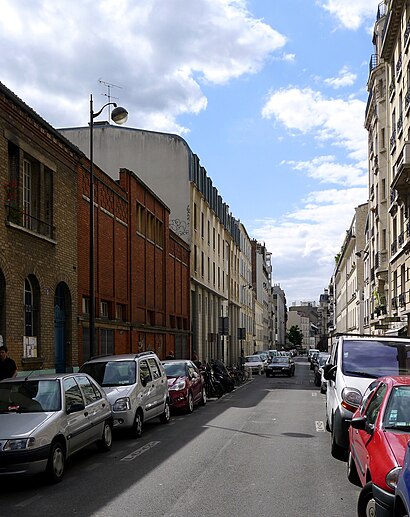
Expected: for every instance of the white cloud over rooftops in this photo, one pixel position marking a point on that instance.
(160, 53)
(351, 13)
(339, 121)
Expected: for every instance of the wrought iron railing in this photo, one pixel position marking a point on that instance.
(19, 217)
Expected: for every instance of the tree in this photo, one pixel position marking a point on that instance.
(295, 336)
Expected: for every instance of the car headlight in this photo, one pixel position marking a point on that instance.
(19, 444)
(123, 404)
(392, 477)
(351, 399)
(179, 385)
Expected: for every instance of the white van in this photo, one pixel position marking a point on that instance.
(354, 362)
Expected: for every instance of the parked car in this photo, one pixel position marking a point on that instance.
(323, 381)
(322, 357)
(136, 386)
(310, 352)
(44, 419)
(281, 364)
(255, 363)
(402, 493)
(186, 384)
(354, 363)
(314, 359)
(378, 436)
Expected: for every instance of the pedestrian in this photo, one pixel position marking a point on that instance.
(8, 368)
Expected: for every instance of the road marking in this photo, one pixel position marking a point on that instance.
(138, 452)
(314, 394)
(320, 426)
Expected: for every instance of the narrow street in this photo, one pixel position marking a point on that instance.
(261, 450)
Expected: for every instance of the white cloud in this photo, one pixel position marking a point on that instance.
(351, 13)
(325, 169)
(345, 78)
(159, 52)
(336, 120)
(304, 242)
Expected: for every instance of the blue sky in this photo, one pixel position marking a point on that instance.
(270, 95)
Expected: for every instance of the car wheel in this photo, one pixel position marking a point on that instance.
(166, 415)
(203, 399)
(104, 444)
(137, 427)
(337, 452)
(190, 403)
(56, 462)
(366, 506)
(267, 374)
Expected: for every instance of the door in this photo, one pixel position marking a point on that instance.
(60, 329)
(146, 392)
(96, 407)
(160, 386)
(78, 424)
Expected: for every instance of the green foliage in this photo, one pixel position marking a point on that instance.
(295, 336)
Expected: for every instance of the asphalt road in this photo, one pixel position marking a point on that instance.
(261, 450)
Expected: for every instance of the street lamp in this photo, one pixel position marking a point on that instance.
(119, 115)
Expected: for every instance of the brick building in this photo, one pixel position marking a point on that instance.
(142, 270)
(38, 239)
(142, 282)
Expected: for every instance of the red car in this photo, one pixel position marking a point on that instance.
(378, 437)
(186, 384)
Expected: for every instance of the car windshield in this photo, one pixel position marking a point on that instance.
(322, 359)
(375, 358)
(30, 396)
(175, 369)
(282, 359)
(397, 414)
(253, 359)
(111, 373)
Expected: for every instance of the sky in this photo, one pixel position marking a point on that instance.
(270, 95)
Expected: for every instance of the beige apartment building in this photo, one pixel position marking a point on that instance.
(220, 250)
(387, 122)
(348, 277)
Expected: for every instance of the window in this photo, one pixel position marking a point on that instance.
(150, 226)
(159, 238)
(195, 217)
(72, 393)
(86, 305)
(140, 219)
(202, 225)
(374, 406)
(145, 374)
(119, 312)
(29, 192)
(106, 341)
(104, 313)
(156, 374)
(90, 392)
(195, 259)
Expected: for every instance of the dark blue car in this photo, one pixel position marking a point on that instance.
(402, 498)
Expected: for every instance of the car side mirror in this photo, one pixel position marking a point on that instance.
(362, 424)
(75, 408)
(329, 372)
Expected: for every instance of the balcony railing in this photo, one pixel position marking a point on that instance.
(393, 247)
(402, 299)
(394, 302)
(393, 141)
(398, 67)
(401, 239)
(17, 216)
(406, 35)
(400, 125)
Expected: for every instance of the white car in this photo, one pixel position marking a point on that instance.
(44, 419)
(255, 363)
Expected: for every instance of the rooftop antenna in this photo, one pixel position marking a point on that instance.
(108, 94)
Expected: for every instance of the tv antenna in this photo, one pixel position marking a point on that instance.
(108, 94)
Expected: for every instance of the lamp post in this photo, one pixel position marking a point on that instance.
(119, 115)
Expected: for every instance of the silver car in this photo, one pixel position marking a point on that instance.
(136, 386)
(44, 419)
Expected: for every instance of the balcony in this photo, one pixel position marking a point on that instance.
(394, 303)
(400, 126)
(16, 216)
(394, 247)
(402, 300)
(401, 239)
(393, 141)
(392, 88)
(398, 67)
(401, 173)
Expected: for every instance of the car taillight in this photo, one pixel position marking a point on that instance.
(351, 398)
